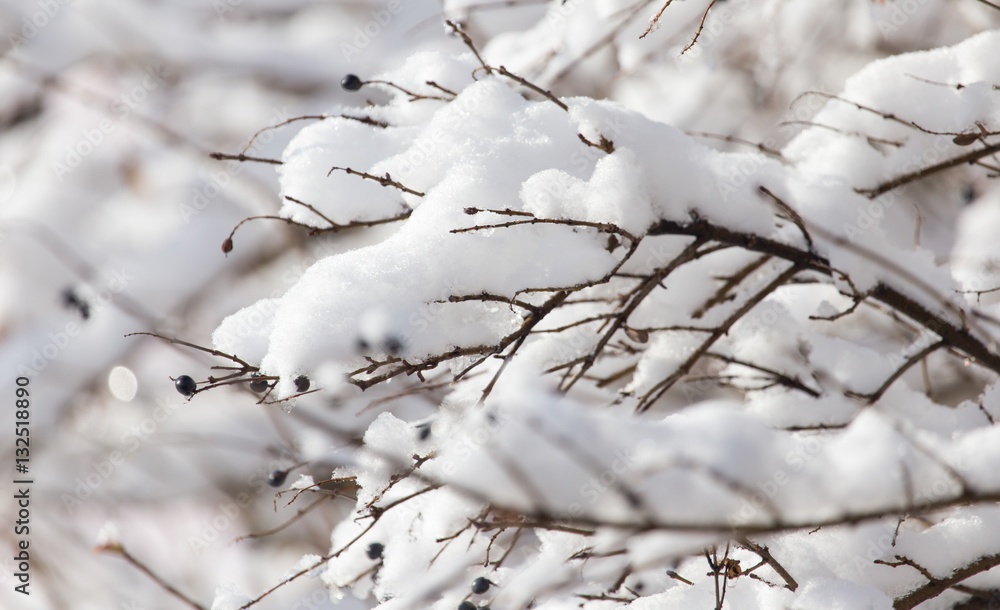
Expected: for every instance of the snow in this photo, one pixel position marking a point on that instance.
(720, 413)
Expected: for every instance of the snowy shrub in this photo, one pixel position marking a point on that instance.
(652, 374)
(519, 304)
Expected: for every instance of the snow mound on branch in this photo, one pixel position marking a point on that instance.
(489, 148)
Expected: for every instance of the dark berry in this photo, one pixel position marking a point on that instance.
(276, 478)
(467, 606)
(257, 384)
(968, 193)
(73, 301)
(351, 82)
(374, 550)
(302, 383)
(480, 586)
(393, 345)
(227, 246)
(424, 431)
(185, 385)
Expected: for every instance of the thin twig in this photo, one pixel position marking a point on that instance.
(121, 551)
(701, 26)
(385, 180)
(468, 42)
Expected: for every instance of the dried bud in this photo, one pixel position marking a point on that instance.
(637, 335)
(964, 139)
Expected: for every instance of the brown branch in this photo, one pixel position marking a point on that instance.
(601, 42)
(468, 42)
(247, 367)
(308, 117)
(780, 378)
(789, 214)
(602, 226)
(846, 132)
(722, 294)
(604, 144)
(304, 571)
(413, 96)
(771, 152)
(898, 181)
(990, 4)
(227, 244)
(701, 26)
(915, 358)
(502, 71)
(689, 253)
(769, 559)
(118, 549)
(385, 180)
(937, 586)
(301, 513)
(655, 20)
(956, 336)
(218, 156)
(661, 387)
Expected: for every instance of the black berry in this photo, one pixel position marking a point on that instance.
(374, 550)
(227, 246)
(424, 431)
(276, 478)
(467, 606)
(257, 384)
(351, 82)
(73, 301)
(480, 586)
(968, 193)
(393, 345)
(185, 385)
(302, 383)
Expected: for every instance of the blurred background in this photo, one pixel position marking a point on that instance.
(112, 215)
